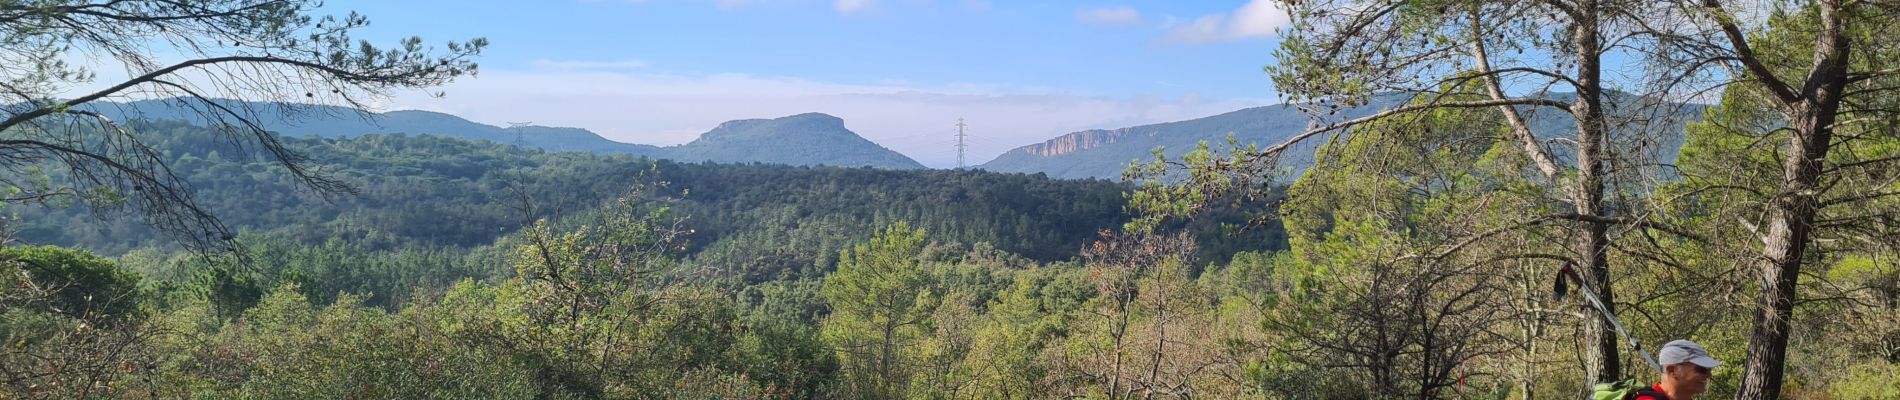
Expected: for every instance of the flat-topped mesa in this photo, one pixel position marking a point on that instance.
(801, 124)
(813, 118)
(802, 139)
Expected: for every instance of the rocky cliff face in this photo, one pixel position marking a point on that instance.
(1078, 141)
(1105, 153)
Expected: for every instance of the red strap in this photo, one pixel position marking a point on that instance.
(1651, 393)
(1461, 376)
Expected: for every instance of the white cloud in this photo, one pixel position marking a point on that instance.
(667, 109)
(1108, 16)
(588, 64)
(853, 6)
(1256, 19)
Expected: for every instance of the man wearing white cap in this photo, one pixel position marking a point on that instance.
(1686, 369)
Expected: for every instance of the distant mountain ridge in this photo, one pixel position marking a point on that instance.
(1105, 153)
(804, 139)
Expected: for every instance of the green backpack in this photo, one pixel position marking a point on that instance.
(1624, 390)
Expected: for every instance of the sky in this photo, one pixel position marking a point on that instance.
(899, 72)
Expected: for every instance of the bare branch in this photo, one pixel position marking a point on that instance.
(1746, 55)
(1519, 128)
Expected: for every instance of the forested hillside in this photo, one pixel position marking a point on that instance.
(436, 191)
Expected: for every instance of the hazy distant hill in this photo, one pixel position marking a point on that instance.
(332, 121)
(1105, 153)
(805, 139)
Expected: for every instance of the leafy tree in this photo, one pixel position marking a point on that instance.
(1811, 95)
(70, 283)
(1009, 356)
(1343, 53)
(1107, 352)
(1408, 244)
(880, 298)
(286, 347)
(67, 319)
(603, 305)
(782, 348)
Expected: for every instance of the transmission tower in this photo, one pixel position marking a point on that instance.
(516, 126)
(960, 143)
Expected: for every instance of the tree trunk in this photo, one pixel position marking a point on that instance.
(1785, 243)
(1528, 381)
(1119, 331)
(1587, 195)
(886, 357)
(1784, 247)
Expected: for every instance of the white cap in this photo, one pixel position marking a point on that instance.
(1682, 351)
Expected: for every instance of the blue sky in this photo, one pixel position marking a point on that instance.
(900, 72)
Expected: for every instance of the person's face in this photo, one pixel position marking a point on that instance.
(1691, 380)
